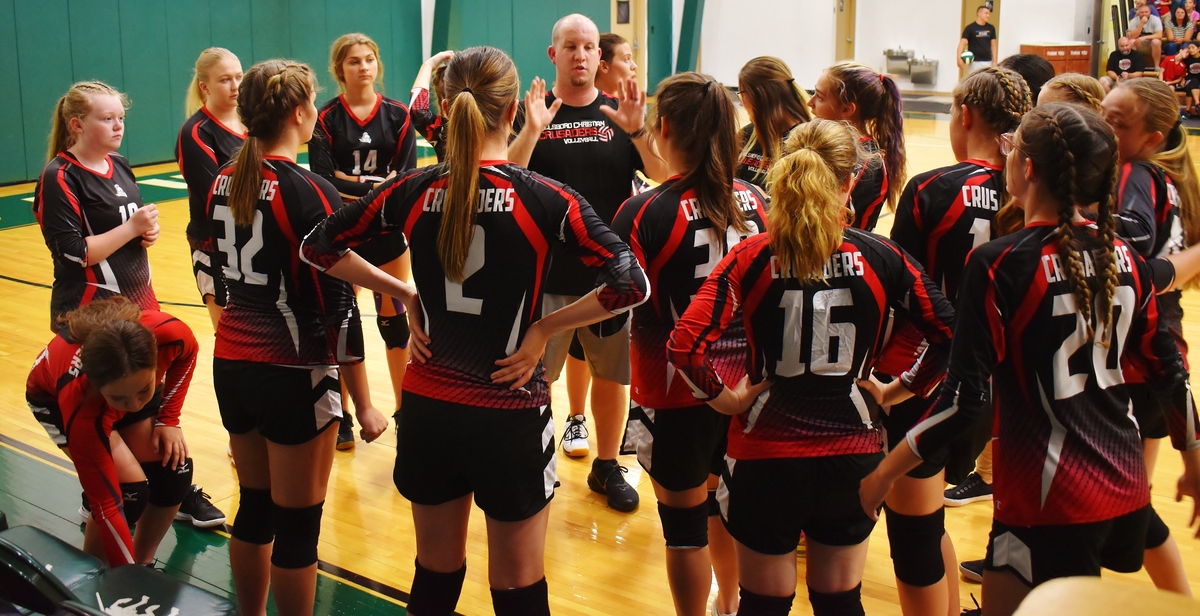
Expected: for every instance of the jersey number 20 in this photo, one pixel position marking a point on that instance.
(1067, 385)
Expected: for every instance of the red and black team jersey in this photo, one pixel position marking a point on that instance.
(520, 216)
(752, 167)
(76, 415)
(383, 142)
(72, 202)
(585, 150)
(813, 341)
(678, 248)
(942, 215)
(870, 188)
(204, 146)
(280, 310)
(428, 122)
(1066, 449)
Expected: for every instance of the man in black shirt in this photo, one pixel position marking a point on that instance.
(1123, 63)
(594, 143)
(980, 38)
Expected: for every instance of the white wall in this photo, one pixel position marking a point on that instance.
(1042, 21)
(800, 32)
(427, 7)
(916, 25)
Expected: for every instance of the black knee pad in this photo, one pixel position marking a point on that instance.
(435, 594)
(751, 604)
(168, 486)
(532, 600)
(254, 522)
(848, 603)
(1157, 532)
(393, 330)
(134, 497)
(714, 506)
(297, 530)
(916, 542)
(684, 528)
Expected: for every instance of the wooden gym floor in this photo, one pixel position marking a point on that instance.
(598, 561)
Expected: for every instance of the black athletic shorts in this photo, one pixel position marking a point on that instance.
(900, 420)
(381, 250)
(288, 405)
(149, 411)
(766, 504)
(507, 459)
(1037, 554)
(680, 448)
(1150, 416)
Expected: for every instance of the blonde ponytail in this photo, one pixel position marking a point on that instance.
(208, 59)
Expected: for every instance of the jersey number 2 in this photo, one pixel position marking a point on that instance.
(1067, 385)
(240, 269)
(823, 336)
(455, 300)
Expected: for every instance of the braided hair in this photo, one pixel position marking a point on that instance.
(1074, 152)
(1075, 88)
(270, 91)
(76, 103)
(1000, 97)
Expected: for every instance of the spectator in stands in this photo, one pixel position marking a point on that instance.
(1178, 31)
(1190, 7)
(1133, 9)
(1164, 8)
(1123, 63)
(1146, 32)
(1173, 72)
(980, 38)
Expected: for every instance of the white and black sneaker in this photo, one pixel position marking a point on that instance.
(972, 570)
(85, 509)
(197, 509)
(972, 490)
(575, 435)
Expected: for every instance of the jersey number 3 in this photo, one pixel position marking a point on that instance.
(240, 269)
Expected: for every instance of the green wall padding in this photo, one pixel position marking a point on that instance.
(147, 48)
(659, 32)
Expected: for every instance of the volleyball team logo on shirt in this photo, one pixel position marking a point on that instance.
(366, 137)
(584, 131)
(120, 191)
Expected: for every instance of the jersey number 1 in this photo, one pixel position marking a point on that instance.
(823, 336)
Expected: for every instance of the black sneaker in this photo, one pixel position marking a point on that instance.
(973, 489)
(608, 478)
(197, 509)
(345, 438)
(972, 570)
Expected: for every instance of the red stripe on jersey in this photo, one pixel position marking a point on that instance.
(108, 175)
(922, 294)
(415, 212)
(1126, 171)
(678, 230)
(218, 122)
(953, 213)
(579, 227)
(1025, 313)
(533, 234)
(62, 184)
(993, 311)
(199, 142)
(350, 111)
(403, 129)
(916, 210)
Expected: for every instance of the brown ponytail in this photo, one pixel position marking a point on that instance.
(877, 97)
(1074, 152)
(113, 342)
(808, 216)
(76, 103)
(703, 123)
(481, 85)
(270, 91)
(776, 104)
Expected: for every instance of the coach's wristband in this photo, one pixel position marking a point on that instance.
(639, 133)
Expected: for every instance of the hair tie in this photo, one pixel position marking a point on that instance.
(880, 77)
(468, 90)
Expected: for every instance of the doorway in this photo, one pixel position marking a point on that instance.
(844, 49)
(629, 21)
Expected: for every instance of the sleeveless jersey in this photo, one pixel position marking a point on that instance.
(1066, 449)
(204, 146)
(812, 340)
(870, 188)
(383, 142)
(279, 310)
(678, 247)
(74, 414)
(72, 202)
(472, 324)
(585, 150)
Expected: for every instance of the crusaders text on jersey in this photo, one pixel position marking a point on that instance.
(520, 216)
